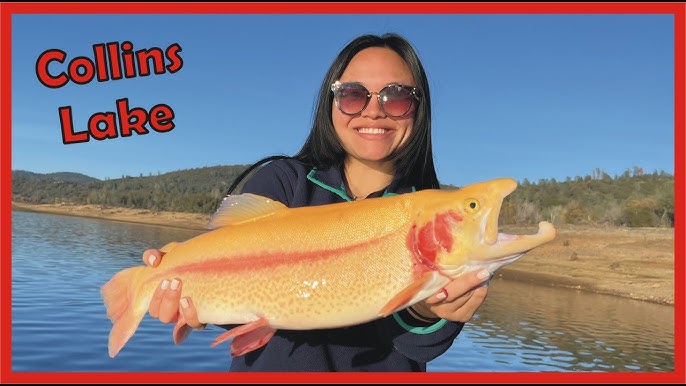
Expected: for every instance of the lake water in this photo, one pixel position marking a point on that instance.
(59, 322)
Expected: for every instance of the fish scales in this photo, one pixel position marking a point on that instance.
(302, 273)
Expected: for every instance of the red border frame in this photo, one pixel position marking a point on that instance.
(9, 9)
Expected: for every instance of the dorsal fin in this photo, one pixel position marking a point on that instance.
(239, 208)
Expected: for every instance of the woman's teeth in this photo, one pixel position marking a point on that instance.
(371, 130)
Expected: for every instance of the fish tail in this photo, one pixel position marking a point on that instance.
(119, 297)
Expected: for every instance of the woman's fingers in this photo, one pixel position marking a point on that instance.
(154, 308)
(164, 304)
(190, 313)
(152, 257)
(169, 304)
(459, 287)
(466, 311)
(458, 300)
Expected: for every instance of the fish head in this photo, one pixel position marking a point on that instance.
(457, 231)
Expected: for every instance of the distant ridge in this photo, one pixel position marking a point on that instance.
(634, 199)
(196, 190)
(59, 176)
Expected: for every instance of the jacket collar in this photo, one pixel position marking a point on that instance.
(331, 179)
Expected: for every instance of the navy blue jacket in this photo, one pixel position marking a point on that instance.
(395, 343)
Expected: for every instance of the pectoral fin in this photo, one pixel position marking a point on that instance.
(423, 287)
(248, 337)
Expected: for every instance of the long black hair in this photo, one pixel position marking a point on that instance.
(414, 164)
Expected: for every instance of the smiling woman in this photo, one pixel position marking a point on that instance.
(371, 137)
(359, 147)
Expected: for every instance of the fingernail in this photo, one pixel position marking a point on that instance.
(441, 295)
(184, 303)
(151, 260)
(165, 284)
(174, 285)
(484, 273)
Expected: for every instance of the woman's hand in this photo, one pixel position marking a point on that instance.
(458, 300)
(167, 305)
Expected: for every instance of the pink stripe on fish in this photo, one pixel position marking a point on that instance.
(269, 260)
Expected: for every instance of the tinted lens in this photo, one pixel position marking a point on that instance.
(352, 98)
(396, 100)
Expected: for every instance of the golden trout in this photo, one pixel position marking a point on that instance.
(265, 266)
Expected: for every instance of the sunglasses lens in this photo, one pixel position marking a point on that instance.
(352, 98)
(396, 100)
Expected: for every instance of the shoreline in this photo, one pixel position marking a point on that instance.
(194, 221)
(634, 263)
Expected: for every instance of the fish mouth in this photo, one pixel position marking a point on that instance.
(505, 250)
(508, 248)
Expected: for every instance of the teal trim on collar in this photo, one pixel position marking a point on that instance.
(419, 330)
(395, 194)
(341, 192)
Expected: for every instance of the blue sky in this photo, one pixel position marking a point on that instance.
(522, 96)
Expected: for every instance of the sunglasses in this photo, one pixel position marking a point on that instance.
(395, 100)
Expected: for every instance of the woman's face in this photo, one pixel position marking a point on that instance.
(371, 135)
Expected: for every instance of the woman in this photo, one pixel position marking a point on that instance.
(371, 137)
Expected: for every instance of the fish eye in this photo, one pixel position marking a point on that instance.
(471, 205)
